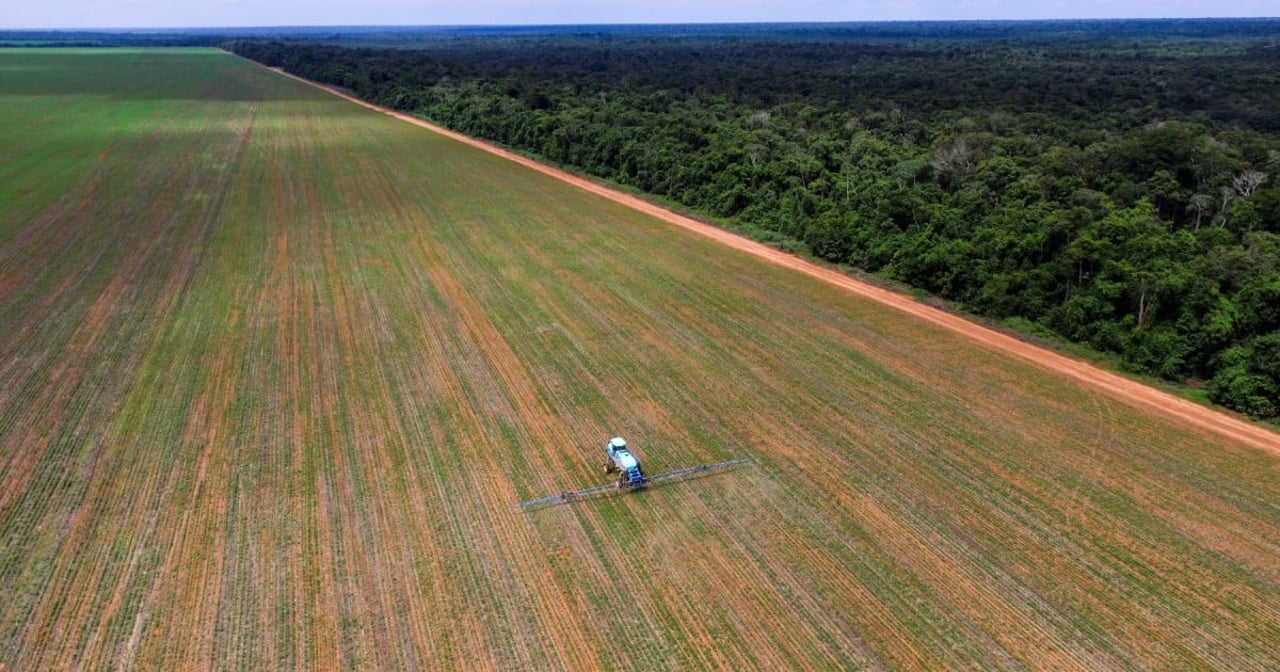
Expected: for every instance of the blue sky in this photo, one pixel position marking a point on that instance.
(199, 13)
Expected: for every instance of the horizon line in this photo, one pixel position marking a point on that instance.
(801, 22)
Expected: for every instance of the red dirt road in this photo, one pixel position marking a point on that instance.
(1131, 392)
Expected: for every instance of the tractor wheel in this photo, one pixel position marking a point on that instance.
(608, 466)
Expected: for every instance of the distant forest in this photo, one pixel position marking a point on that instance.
(1112, 183)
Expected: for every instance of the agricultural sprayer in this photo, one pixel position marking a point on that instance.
(621, 460)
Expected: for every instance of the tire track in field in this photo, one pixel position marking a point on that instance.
(1131, 392)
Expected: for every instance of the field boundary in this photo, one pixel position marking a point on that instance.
(1129, 391)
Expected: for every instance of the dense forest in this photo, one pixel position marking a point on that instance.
(1112, 183)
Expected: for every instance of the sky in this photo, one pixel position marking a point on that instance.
(229, 13)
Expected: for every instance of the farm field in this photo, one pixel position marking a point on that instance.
(274, 369)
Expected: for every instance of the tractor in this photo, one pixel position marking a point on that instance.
(630, 478)
(622, 461)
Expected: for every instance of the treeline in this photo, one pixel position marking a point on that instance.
(1117, 191)
(112, 38)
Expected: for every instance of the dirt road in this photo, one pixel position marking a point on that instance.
(1119, 387)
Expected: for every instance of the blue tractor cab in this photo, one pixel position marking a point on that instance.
(624, 462)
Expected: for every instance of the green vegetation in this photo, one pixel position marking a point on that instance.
(274, 369)
(1114, 183)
